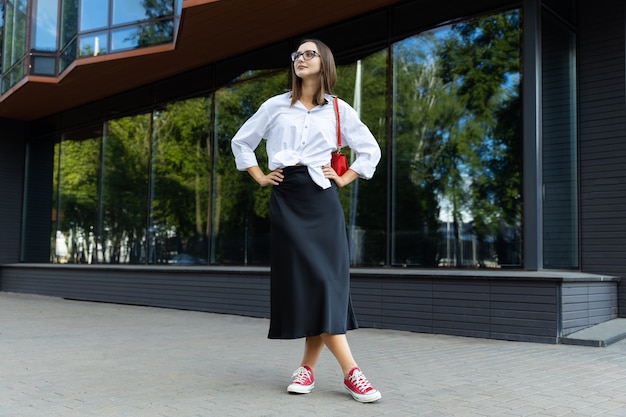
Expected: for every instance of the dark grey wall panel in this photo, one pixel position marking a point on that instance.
(586, 304)
(602, 137)
(524, 308)
(461, 307)
(37, 221)
(12, 145)
(405, 304)
(219, 292)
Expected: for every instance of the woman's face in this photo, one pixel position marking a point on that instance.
(307, 68)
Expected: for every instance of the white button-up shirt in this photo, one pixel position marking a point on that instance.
(296, 135)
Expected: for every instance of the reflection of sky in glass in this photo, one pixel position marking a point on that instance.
(124, 39)
(93, 14)
(46, 30)
(125, 11)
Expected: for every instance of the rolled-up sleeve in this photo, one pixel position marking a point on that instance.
(248, 138)
(363, 144)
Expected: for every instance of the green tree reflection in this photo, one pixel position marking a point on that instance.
(181, 175)
(168, 183)
(125, 189)
(457, 144)
(159, 27)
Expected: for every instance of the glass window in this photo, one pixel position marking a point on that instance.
(560, 156)
(46, 21)
(125, 38)
(77, 167)
(93, 44)
(240, 230)
(363, 85)
(146, 34)
(67, 55)
(14, 48)
(449, 194)
(94, 14)
(69, 29)
(181, 178)
(129, 11)
(124, 236)
(125, 11)
(69, 21)
(456, 193)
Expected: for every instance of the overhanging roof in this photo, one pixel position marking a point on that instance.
(210, 31)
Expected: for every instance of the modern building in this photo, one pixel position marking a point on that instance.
(497, 210)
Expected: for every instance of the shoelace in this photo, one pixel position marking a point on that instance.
(360, 381)
(300, 376)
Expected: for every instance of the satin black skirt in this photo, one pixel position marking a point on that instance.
(310, 266)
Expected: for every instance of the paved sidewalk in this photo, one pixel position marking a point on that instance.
(77, 359)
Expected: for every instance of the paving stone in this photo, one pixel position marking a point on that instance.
(79, 359)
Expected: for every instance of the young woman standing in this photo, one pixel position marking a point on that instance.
(310, 269)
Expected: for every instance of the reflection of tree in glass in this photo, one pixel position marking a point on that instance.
(241, 208)
(482, 61)
(423, 113)
(364, 202)
(77, 166)
(182, 176)
(458, 139)
(159, 26)
(69, 21)
(125, 188)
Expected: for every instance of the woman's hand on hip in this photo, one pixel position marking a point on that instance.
(341, 181)
(273, 178)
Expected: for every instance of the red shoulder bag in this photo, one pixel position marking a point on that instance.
(338, 159)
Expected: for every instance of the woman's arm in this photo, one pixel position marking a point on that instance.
(273, 178)
(341, 181)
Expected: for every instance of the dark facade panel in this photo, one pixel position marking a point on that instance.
(357, 37)
(128, 102)
(602, 136)
(184, 85)
(587, 304)
(366, 299)
(168, 288)
(38, 201)
(489, 307)
(12, 151)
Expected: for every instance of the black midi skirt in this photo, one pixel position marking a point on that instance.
(310, 266)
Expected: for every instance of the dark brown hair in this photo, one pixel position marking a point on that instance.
(328, 74)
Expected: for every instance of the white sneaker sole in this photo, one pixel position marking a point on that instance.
(365, 398)
(300, 389)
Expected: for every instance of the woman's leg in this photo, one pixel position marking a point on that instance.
(339, 347)
(313, 346)
(355, 382)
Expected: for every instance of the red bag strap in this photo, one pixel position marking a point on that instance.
(336, 102)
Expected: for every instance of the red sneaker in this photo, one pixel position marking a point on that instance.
(303, 381)
(360, 388)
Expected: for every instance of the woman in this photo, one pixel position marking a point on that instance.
(310, 271)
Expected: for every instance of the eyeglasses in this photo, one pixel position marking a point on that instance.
(307, 55)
